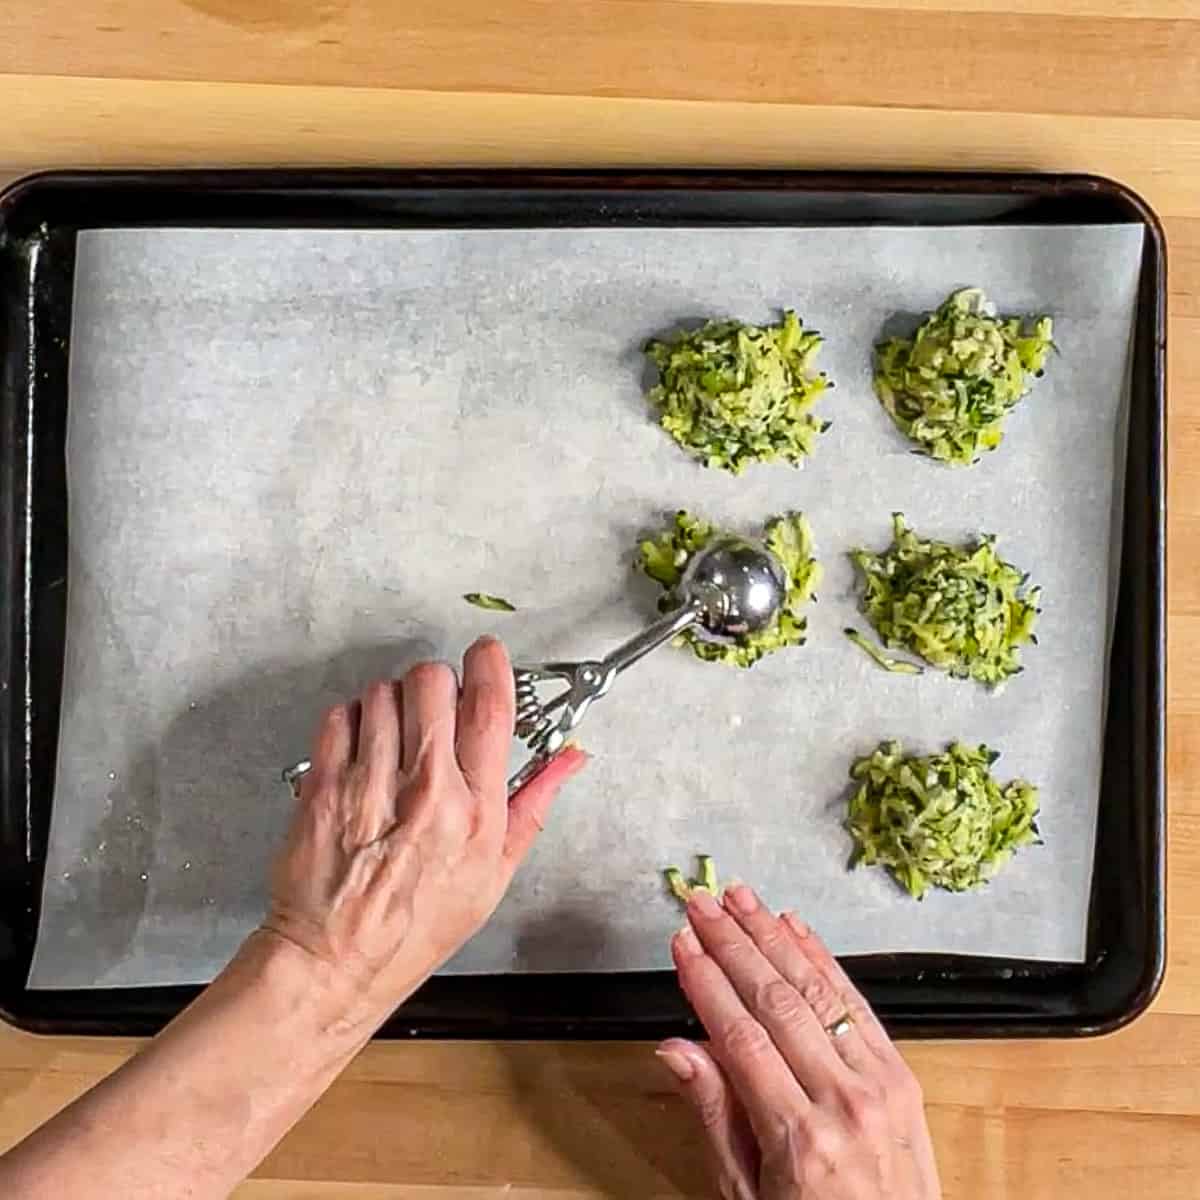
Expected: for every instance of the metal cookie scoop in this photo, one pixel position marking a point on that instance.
(732, 587)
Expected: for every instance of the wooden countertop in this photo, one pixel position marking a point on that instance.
(1106, 86)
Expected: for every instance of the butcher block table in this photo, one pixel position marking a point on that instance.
(1103, 86)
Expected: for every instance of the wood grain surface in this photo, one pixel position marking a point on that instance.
(1107, 86)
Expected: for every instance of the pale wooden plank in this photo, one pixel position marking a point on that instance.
(521, 1114)
(1183, 677)
(1183, 762)
(1032, 1154)
(1184, 474)
(1184, 10)
(557, 1128)
(299, 1189)
(1183, 429)
(1027, 1153)
(584, 1119)
(1148, 1068)
(591, 1146)
(553, 1125)
(1183, 248)
(1183, 544)
(1180, 994)
(93, 122)
(667, 49)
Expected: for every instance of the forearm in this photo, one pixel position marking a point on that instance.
(403, 842)
(205, 1102)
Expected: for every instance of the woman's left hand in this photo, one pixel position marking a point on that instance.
(801, 1093)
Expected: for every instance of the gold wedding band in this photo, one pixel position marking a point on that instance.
(840, 1027)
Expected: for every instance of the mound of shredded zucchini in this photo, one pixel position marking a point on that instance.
(938, 821)
(684, 889)
(665, 557)
(962, 609)
(732, 394)
(950, 386)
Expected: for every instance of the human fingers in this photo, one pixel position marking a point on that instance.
(528, 808)
(372, 801)
(778, 1006)
(379, 732)
(780, 946)
(485, 718)
(868, 1025)
(763, 1082)
(730, 1139)
(901, 1087)
(333, 747)
(429, 701)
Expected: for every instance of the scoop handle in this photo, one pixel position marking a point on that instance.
(663, 630)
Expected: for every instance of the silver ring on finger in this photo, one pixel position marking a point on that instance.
(294, 775)
(840, 1027)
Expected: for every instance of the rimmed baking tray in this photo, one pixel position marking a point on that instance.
(918, 995)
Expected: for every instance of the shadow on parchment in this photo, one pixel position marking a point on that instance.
(900, 324)
(610, 1110)
(197, 818)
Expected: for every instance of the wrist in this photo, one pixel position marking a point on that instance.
(309, 993)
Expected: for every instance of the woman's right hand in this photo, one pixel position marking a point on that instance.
(801, 1093)
(404, 838)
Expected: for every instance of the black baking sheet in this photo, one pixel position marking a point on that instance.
(917, 994)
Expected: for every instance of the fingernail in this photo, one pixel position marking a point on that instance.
(797, 926)
(687, 944)
(742, 898)
(677, 1063)
(704, 903)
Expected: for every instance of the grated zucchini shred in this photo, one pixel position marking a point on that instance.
(491, 603)
(897, 666)
(951, 385)
(665, 557)
(706, 880)
(962, 609)
(938, 821)
(732, 394)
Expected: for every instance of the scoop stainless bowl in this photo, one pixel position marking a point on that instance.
(738, 585)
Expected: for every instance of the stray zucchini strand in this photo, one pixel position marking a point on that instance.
(684, 889)
(680, 888)
(897, 665)
(491, 603)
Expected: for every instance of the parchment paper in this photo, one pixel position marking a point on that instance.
(291, 452)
